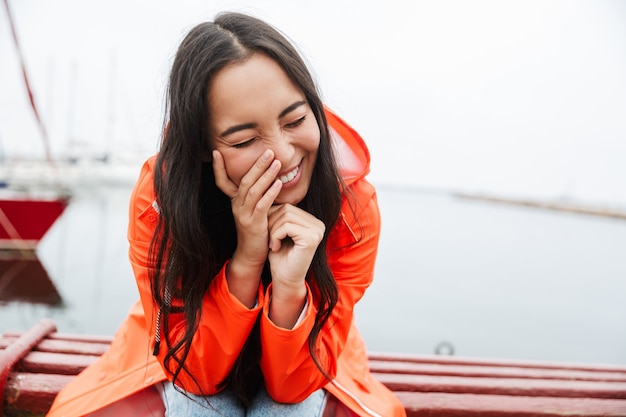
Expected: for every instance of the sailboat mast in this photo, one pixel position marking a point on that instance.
(42, 128)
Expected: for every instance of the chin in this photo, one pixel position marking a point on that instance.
(293, 197)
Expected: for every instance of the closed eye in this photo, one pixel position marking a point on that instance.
(244, 144)
(296, 123)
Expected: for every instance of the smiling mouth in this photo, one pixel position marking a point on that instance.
(289, 176)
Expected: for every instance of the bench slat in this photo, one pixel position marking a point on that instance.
(55, 363)
(32, 392)
(67, 336)
(437, 404)
(518, 363)
(84, 347)
(503, 386)
(401, 367)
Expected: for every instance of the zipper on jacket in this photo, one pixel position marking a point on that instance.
(157, 337)
(167, 299)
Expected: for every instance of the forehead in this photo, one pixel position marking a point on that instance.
(252, 88)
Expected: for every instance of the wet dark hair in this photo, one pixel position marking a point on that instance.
(196, 232)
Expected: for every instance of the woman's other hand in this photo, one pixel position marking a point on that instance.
(294, 236)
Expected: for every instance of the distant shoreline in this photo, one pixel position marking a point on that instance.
(565, 206)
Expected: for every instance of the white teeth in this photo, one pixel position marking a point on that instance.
(289, 176)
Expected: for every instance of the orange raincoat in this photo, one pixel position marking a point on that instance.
(290, 375)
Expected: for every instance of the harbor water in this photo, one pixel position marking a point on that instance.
(484, 279)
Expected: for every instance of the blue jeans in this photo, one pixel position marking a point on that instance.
(226, 404)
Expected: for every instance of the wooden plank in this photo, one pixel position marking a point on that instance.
(460, 360)
(67, 336)
(32, 392)
(85, 347)
(503, 386)
(470, 371)
(94, 338)
(438, 404)
(37, 391)
(55, 363)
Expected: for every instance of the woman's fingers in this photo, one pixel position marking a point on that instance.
(265, 202)
(294, 236)
(251, 198)
(289, 235)
(222, 180)
(256, 188)
(294, 224)
(259, 172)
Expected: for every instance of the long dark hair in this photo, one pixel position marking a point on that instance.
(196, 232)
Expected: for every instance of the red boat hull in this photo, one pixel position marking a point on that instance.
(24, 278)
(23, 222)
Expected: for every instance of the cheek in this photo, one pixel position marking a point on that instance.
(315, 142)
(237, 166)
(311, 138)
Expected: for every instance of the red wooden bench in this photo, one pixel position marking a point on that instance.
(35, 365)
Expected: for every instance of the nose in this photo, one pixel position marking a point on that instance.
(283, 148)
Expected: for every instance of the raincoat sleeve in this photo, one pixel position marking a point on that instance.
(288, 368)
(225, 322)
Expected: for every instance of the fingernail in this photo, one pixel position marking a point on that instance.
(267, 154)
(214, 153)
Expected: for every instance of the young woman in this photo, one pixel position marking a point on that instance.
(253, 233)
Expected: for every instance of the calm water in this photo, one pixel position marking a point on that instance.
(492, 280)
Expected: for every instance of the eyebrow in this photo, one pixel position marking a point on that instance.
(291, 108)
(244, 126)
(237, 128)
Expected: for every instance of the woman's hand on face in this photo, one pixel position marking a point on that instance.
(251, 201)
(294, 236)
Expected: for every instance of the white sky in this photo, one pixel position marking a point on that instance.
(520, 98)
